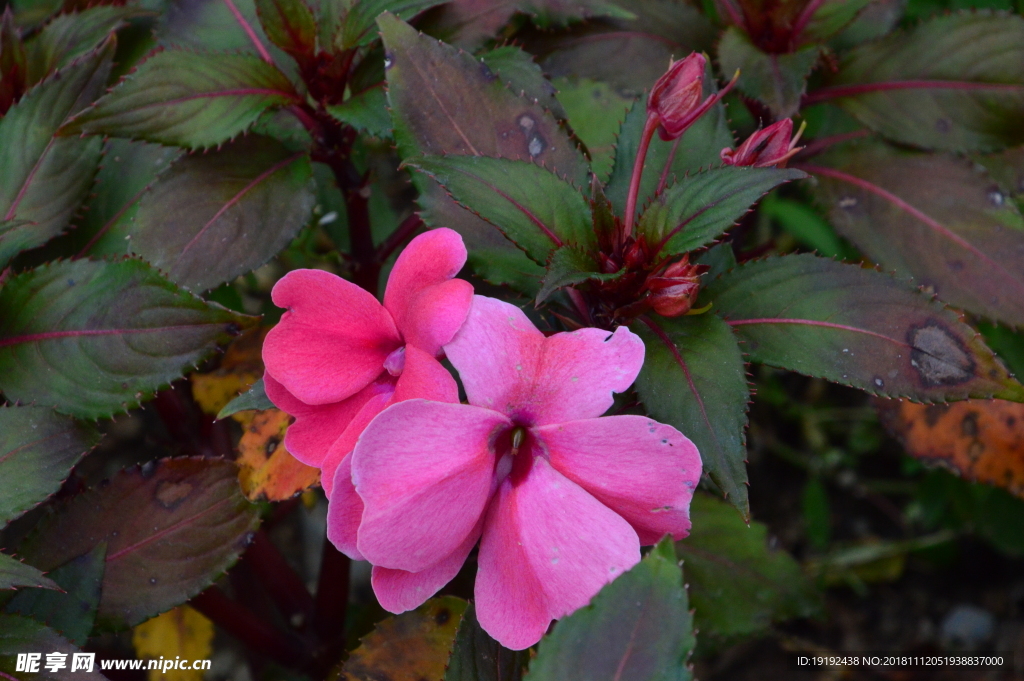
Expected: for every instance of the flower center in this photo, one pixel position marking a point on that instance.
(395, 362)
(517, 437)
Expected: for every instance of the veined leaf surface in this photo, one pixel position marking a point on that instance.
(858, 327)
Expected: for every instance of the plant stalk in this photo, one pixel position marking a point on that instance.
(638, 170)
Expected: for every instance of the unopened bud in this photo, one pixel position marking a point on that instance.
(676, 98)
(771, 146)
(674, 292)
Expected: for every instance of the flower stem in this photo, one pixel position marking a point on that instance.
(249, 629)
(638, 170)
(399, 236)
(331, 594)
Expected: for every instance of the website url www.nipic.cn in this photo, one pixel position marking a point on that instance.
(86, 662)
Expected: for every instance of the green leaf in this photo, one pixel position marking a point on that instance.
(359, 24)
(777, 80)
(806, 226)
(210, 26)
(95, 337)
(739, 585)
(188, 522)
(289, 24)
(699, 147)
(445, 102)
(128, 169)
(497, 264)
(38, 449)
(533, 207)
(14, 575)
(69, 36)
(693, 378)
(956, 233)
(953, 83)
(367, 112)
(1007, 167)
(857, 327)
(478, 657)
(20, 635)
(212, 217)
(595, 111)
(522, 74)
(629, 55)
(814, 502)
(188, 100)
(469, 23)
(698, 209)
(72, 611)
(44, 178)
(831, 17)
(254, 398)
(570, 266)
(638, 627)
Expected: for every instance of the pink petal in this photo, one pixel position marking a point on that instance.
(316, 427)
(333, 339)
(643, 470)
(547, 548)
(380, 398)
(424, 377)
(344, 510)
(424, 471)
(427, 304)
(398, 591)
(506, 364)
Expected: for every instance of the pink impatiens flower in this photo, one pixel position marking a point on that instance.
(338, 357)
(560, 499)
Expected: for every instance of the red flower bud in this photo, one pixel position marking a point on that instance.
(674, 291)
(676, 98)
(771, 146)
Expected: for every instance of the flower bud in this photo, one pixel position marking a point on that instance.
(768, 147)
(676, 98)
(675, 290)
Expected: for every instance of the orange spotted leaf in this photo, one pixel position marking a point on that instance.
(413, 646)
(267, 470)
(983, 440)
(241, 366)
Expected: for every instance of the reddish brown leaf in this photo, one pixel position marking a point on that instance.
(171, 527)
(982, 440)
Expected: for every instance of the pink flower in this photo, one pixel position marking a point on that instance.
(338, 357)
(560, 499)
(768, 147)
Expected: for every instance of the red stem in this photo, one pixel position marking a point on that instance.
(250, 630)
(398, 237)
(331, 594)
(734, 14)
(805, 18)
(638, 170)
(284, 586)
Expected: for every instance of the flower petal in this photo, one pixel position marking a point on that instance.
(382, 395)
(344, 510)
(547, 548)
(333, 339)
(427, 304)
(316, 426)
(643, 470)
(424, 471)
(398, 591)
(425, 378)
(506, 364)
